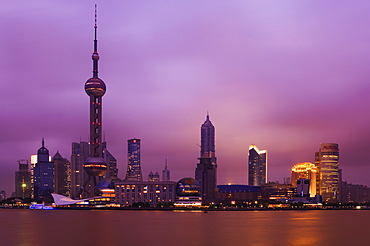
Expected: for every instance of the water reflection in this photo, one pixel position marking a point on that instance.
(29, 228)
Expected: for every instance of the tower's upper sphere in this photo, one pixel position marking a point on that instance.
(95, 87)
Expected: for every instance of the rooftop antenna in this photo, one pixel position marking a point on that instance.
(95, 55)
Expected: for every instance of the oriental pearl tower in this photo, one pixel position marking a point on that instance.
(95, 166)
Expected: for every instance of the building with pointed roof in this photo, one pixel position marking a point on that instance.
(62, 175)
(165, 173)
(43, 176)
(206, 170)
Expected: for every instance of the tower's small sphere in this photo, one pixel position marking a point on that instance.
(95, 87)
(95, 166)
(95, 56)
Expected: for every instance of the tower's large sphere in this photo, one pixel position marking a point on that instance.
(95, 87)
(95, 166)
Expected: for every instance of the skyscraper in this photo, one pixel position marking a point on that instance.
(165, 173)
(327, 162)
(207, 136)
(95, 166)
(80, 152)
(112, 171)
(305, 170)
(62, 175)
(23, 180)
(43, 184)
(257, 166)
(206, 170)
(133, 156)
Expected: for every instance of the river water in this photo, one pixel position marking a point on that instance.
(90, 228)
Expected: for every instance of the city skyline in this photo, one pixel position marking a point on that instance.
(285, 76)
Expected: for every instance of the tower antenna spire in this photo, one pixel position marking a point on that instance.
(95, 55)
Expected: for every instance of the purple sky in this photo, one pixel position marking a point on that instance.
(284, 75)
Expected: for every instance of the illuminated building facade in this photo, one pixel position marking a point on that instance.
(206, 170)
(80, 152)
(95, 166)
(305, 170)
(226, 194)
(275, 191)
(165, 173)
(133, 156)
(62, 175)
(188, 193)
(327, 161)
(257, 166)
(23, 180)
(43, 184)
(129, 193)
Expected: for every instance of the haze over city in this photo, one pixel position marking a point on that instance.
(283, 75)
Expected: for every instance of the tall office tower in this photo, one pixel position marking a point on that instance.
(257, 166)
(112, 171)
(153, 177)
(43, 184)
(206, 171)
(305, 170)
(207, 136)
(80, 152)
(95, 166)
(165, 173)
(62, 175)
(134, 166)
(23, 180)
(327, 161)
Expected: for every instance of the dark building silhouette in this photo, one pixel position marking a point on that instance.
(95, 166)
(112, 171)
(80, 152)
(205, 174)
(207, 135)
(166, 173)
(257, 166)
(153, 177)
(43, 172)
(206, 171)
(23, 180)
(133, 156)
(62, 175)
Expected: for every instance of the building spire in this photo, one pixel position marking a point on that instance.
(95, 55)
(207, 115)
(42, 143)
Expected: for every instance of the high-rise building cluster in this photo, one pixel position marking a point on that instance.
(93, 171)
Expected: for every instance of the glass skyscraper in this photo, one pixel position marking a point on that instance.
(257, 166)
(134, 166)
(327, 162)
